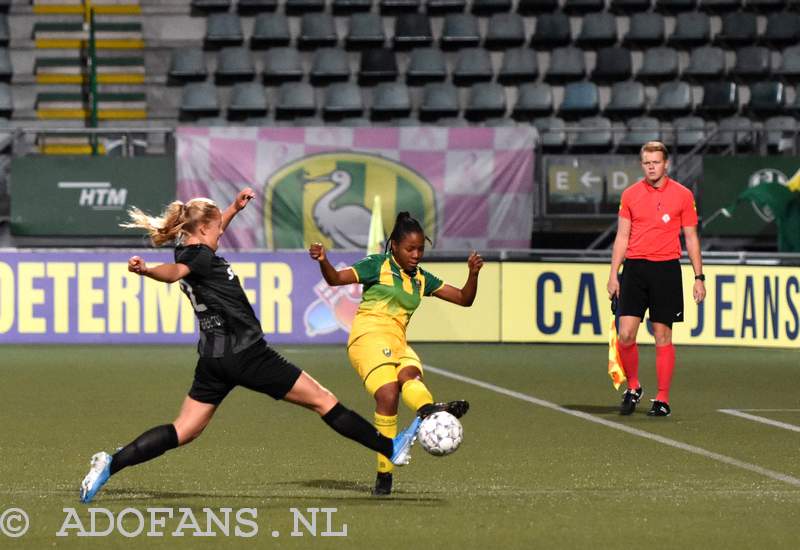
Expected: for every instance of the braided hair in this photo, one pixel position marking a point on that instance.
(403, 225)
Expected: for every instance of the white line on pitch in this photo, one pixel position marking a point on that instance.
(761, 419)
(778, 476)
(769, 410)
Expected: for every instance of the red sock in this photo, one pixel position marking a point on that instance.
(629, 355)
(665, 364)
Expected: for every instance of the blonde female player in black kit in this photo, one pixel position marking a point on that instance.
(232, 348)
(394, 284)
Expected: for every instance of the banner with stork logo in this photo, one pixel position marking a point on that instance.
(471, 188)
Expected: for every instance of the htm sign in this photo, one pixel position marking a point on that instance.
(97, 195)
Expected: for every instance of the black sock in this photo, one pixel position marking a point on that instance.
(355, 426)
(151, 444)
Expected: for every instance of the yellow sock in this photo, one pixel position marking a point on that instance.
(415, 394)
(387, 425)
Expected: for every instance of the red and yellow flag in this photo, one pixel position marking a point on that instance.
(615, 370)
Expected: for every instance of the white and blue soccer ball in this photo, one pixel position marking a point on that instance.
(440, 433)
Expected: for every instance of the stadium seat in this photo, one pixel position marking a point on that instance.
(639, 130)
(580, 99)
(199, 99)
(234, 64)
(597, 30)
(453, 122)
(719, 6)
(691, 29)
(646, 30)
(738, 29)
(552, 30)
(399, 6)
(5, 36)
(612, 65)
(486, 7)
(624, 7)
(583, 6)
(519, 65)
(282, 65)
(211, 5)
(706, 62)
(734, 131)
(406, 121)
(438, 7)
(498, 122)
(594, 135)
(247, 99)
(752, 62)
(690, 131)
(344, 7)
(209, 121)
(658, 65)
(390, 100)
(329, 65)
(535, 7)
(187, 64)
(223, 29)
(425, 65)
(295, 7)
(719, 98)
(766, 5)
(566, 64)
(627, 100)
(460, 31)
(781, 133)
(439, 100)
(6, 100)
(365, 30)
(783, 29)
(377, 65)
(533, 100)
(270, 30)
(6, 69)
(675, 6)
(249, 7)
(472, 65)
(552, 133)
(673, 98)
(342, 99)
(767, 98)
(412, 30)
(790, 64)
(486, 100)
(505, 30)
(295, 99)
(317, 30)
(354, 122)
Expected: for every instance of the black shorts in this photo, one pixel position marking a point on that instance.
(654, 286)
(259, 368)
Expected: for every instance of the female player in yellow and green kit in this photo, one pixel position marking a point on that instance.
(394, 285)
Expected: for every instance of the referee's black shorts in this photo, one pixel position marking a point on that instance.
(259, 368)
(654, 286)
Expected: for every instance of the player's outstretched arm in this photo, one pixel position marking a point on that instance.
(329, 273)
(238, 204)
(464, 296)
(165, 273)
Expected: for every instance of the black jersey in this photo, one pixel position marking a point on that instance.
(225, 316)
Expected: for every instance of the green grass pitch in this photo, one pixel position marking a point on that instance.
(527, 475)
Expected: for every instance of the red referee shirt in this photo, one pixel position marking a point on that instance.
(657, 216)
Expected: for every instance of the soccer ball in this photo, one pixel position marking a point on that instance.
(440, 434)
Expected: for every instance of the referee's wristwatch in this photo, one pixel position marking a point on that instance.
(700, 277)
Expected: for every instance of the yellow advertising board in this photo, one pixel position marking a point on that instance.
(440, 321)
(744, 305)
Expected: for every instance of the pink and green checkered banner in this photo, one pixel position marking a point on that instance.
(472, 188)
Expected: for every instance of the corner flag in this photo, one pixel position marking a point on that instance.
(375, 239)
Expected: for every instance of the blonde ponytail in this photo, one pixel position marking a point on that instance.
(177, 220)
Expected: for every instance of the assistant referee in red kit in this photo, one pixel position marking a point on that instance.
(651, 214)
